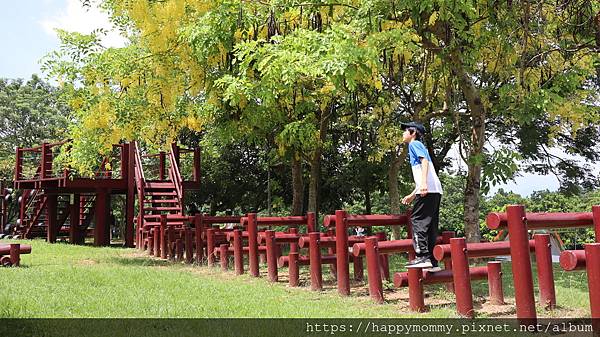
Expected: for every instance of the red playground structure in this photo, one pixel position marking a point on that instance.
(56, 202)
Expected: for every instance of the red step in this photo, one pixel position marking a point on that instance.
(161, 209)
(163, 193)
(161, 201)
(163, 186)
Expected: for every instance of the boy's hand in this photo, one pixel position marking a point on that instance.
(423, 191)
(408, 199)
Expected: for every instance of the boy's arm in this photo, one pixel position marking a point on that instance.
(424, 169)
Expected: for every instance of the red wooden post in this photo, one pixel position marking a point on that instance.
(592, 257)
(178, 250)
(129, 174)
(52, 221)
(271, 255)
(495, 282)
(74, 220)
(238, 253)
(156, 236)
(521, 263)
(15, 254)
(18, 164)
(161, 165)
(224, 256)
(189, 245)
(150, 240)
(374, 270)
(293, 269)
(416, 300)
(543, 257)
(210, 246)
(294, 245)
(341, 249)
(253, 245)
(461, 277)
(314, 251)
(596, 220)
(164, 248)
(198, 230)
(446, 236)
(102, 212)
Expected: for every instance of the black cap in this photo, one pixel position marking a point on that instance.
(415, 125)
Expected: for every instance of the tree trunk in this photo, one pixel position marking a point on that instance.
(315, 165)
(477, 140)
(297, 185)
(393, 191)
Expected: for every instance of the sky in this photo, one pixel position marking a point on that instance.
(27, 34)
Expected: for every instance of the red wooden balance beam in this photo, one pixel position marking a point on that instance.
(518, 223)
(342, 220)
(14, 251)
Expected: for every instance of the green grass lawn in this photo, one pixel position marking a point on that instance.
(62, 280)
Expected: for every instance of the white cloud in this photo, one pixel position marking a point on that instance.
(76, 18)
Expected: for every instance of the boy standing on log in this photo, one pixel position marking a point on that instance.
(426, 196)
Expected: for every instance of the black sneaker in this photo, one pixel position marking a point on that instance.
(419, 262)
(433, 269)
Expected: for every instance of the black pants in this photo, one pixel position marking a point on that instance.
(425, 219)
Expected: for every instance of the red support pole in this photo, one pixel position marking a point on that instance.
(596, 221)
(164, 249)
(543, 257)
(271, 255)
(495, 282)
(156, 235)
(293, 269)
(416, 300)
(102, 212)
(341, 249)
(130, 197)
(150, 242)
(210, 246)
(198, 230)
(592, 257)
(461, 277)
(189, 246)
(294, 245)
(521, 264)
(223, 256)
(374, 270)
(74, 220)
(178, 250)
(15, 254)
(253, 245)
(52, 221)
(446, 236)
(359, 273)
(238, 253)
(314, 250)
(161, 165)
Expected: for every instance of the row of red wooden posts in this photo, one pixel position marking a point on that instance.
(201, 240)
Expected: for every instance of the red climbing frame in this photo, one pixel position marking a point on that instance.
(56, 201)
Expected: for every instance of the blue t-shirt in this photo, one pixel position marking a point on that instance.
(416, 151)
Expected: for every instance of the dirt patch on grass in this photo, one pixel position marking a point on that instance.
(87, 262)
